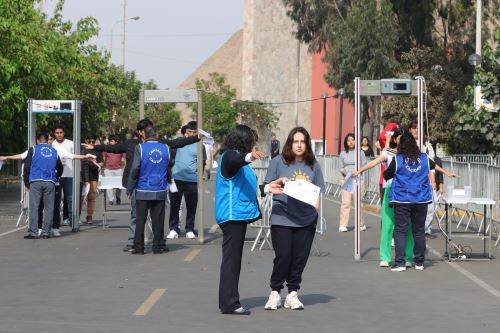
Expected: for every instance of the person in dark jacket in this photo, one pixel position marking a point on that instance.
(148, 178)
(42, 167)
(128, 147)
(90, 175)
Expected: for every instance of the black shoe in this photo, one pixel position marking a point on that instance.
(118, 201)
(45, 236)
(161, 250)
(240, 312)
(30, 237)
(134, 251)
(128, 248)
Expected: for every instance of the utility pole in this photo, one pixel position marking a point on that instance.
(124, 20)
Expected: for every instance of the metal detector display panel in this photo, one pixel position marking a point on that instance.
(53, 106)
(170, 96)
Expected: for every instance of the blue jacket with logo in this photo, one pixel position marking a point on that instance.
(42, 164)
(411, 183)
(148, 174)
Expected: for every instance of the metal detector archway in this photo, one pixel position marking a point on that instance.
(72, 107)
(182, 96)
(383, 87)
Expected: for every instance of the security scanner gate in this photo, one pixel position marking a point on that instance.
(182, 96)
(383, 87)
(71, 107)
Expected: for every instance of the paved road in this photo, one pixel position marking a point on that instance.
(82, 282)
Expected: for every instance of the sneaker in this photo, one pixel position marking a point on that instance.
(118, 201)
(30, 236)
(428, 232)
(190, 235)
(89, 220)
(383, 263)
(398, 268)
(292, 302)
(66, 222)
(274, 301)
(172, 234)
(362, 228)
(111, 203)
(40, 232)
(408, 264)
(45, 236)
(343, 229)
(128, 248)
(56, 233)
(419, 267)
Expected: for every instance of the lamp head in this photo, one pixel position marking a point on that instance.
(475, 59)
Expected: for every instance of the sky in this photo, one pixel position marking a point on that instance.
(171, 38)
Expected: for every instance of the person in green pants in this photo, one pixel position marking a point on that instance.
(387, 214)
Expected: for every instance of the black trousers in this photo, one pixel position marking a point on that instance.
(291, 249)
(417, 213)
(233, 239)
(156, 209)
(56, 221)
(190, 192)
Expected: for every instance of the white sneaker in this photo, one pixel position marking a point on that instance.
(362, 228)
(274, 301)
(383, 263)
(292, 302)
(56, 233)
(190, 235)
(40, 232)
(398, 269)
(172, 234)
(343, 229)
(408, 264)
(419, 267)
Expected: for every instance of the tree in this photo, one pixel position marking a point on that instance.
(221, 111)
(478, 131)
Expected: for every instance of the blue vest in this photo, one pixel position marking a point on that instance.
(154, 164)
(186, 164)
(236, 197)
(43, 164)
(411, 183)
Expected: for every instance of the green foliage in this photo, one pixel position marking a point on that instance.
(44, 58)
(478, 131)
(221, 112)
(444, 83)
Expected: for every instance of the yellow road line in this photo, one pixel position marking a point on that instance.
(191, 255)
(149, 302)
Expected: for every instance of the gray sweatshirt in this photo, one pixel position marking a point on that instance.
(347, 160)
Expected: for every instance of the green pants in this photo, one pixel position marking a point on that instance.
(388, 230)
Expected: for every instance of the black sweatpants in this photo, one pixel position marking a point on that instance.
(233, 239)
(291, 249)
(190, 192)
(417, 213)
(156, 210)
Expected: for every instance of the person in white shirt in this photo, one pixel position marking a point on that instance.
(66, 179)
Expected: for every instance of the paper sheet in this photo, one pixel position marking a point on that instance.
(303, 190)
(350, 183)
(206, 137)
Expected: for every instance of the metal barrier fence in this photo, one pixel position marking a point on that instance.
(471, 158)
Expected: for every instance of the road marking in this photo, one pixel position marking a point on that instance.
(12, 231)
(149, 302)
(468, 274)
(191, 255)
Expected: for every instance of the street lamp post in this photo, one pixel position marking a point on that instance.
(135, 18)
(340, 93)
(324, 96)
(475, 60)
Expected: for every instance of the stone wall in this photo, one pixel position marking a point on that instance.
(270, 64)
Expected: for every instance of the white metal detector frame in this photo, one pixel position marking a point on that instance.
(372, 88)
(182, 96)
(58, 107)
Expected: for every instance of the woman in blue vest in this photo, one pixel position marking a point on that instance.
(293, 222)
(236, 206)
(410, 194)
